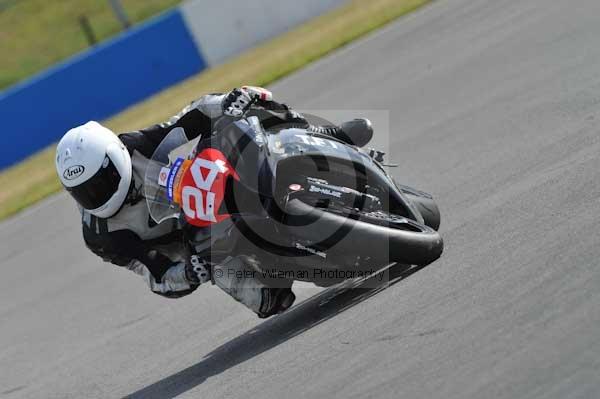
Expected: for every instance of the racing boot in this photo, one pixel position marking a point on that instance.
(243, 283)
(356, 132)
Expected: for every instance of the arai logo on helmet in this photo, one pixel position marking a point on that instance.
(73, 172)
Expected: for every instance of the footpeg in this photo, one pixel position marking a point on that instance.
(379, 157)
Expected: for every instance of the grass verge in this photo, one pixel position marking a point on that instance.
(35, 34)
(34, 178)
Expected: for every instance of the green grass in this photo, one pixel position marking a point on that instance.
(34, 178)
(35, 34)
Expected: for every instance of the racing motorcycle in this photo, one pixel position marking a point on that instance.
(291, 199)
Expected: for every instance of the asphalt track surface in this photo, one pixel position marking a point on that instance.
(495, 109)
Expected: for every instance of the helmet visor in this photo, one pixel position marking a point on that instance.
(97, 190)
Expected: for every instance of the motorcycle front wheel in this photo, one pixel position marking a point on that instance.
(379, 236)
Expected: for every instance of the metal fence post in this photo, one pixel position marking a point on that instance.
(84, 22)
(120, 13)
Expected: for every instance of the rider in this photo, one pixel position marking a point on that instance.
(105, 174)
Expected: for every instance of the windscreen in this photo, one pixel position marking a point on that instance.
(161, 173)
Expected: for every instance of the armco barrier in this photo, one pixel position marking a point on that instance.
(234, 26)
(96, 84)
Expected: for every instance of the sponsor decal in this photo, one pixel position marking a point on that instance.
(163, 176)
(73, 172)
(177, 180)
(316, 141)
(325, 191)
(311, 250)
(201, 190)
(171, 177)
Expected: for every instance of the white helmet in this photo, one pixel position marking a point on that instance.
(95, 168)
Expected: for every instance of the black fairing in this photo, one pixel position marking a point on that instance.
(268, 162)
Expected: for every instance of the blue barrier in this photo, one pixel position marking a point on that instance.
(96, 84)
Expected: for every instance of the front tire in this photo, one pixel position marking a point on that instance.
(428, 209)
(378, 236)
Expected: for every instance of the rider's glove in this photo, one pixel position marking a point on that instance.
(197, 270)
(236, 102)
